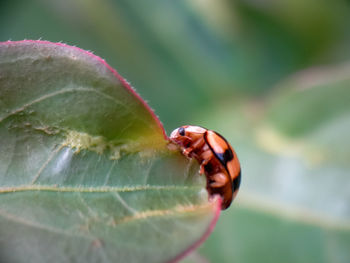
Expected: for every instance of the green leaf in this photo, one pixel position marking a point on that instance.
(294, 199)
(310, 100)
(85, 172)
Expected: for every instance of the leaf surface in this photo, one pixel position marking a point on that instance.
(85, 172)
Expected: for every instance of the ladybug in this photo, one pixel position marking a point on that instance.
(218, 161)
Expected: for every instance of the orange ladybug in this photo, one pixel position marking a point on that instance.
(218, 161)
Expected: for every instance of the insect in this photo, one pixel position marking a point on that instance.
(218, 161)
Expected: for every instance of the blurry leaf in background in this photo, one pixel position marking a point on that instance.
(294, 199)
(190, 53)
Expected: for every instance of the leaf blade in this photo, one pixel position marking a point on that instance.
(84, 165)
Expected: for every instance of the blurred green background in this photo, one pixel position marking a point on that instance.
(272, 76)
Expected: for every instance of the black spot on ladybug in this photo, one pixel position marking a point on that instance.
(225, 157)
(236, 182)
(228, 155)
(182, 131)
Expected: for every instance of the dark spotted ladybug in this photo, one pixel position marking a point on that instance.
(218, 161)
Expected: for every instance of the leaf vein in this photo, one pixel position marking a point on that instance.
(49, 159)
(122, 201)
(142, 215)
(11, 217)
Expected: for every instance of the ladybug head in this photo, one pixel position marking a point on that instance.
(184, 135)
(179, 135)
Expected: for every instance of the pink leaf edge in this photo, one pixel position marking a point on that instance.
(217, 205)
(206, 234)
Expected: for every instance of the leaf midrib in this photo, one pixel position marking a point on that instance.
(103, 189)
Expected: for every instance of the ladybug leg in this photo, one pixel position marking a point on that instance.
(187, 151)
(201, 170)
(219, 180)
(194, 146)
(198, 143)
(205, 157)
